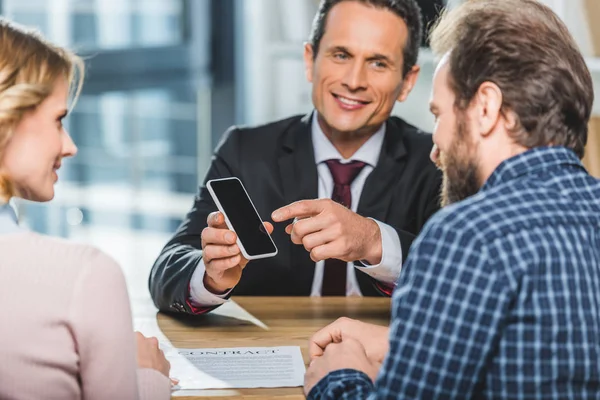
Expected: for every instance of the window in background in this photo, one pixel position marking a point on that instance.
(142, 124)
(103, 24)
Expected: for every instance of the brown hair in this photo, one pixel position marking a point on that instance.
(525, 49)
(408, 10)
(29, 69)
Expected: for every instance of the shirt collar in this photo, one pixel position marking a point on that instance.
(325, 150)
(536, 159)
(8, 219)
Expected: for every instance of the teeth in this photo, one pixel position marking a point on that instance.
(348, 101)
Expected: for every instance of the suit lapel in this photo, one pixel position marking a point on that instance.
(376, 196)
(299, 181)
(297, 163)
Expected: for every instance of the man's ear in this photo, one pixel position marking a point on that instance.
(309, 61)
(488, 100)
(410, 79)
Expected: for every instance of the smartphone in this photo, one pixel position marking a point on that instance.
(241, 216)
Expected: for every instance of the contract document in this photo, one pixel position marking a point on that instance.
(237, 368)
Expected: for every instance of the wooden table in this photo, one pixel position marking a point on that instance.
(266, 321)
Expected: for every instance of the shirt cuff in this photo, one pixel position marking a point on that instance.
(200, 296)
(388, 270)
(342, 384)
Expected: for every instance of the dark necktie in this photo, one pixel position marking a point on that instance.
(334, 274)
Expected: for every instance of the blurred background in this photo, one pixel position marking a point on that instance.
(165, 78)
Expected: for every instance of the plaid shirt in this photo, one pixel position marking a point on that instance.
(500, 295)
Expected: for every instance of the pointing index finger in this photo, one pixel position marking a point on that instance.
(299, 209)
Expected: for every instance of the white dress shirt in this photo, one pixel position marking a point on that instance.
(387, 271)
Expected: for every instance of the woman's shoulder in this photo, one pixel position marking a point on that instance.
(53, 255)
(67, 247)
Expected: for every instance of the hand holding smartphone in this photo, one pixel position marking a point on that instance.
(241, 217)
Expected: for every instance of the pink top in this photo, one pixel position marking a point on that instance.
(65, 324)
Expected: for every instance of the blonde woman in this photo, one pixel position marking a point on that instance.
(65, 321)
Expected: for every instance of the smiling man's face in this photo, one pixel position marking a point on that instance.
(357, 73)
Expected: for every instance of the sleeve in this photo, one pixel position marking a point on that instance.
(102, 327)
(388, 270)
(449, 309)
(448, 312)
(345, 384)
(151, 385)
(170, 278)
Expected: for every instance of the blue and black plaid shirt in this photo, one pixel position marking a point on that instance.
(500, 295)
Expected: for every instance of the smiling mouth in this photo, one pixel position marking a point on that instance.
(349, 101)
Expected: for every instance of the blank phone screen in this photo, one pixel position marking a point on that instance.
(244, 219)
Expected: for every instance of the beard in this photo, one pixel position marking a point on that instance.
(459, 166)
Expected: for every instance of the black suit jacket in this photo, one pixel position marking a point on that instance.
(276, 164)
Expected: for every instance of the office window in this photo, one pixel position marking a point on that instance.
(103, 24)
(142, 123)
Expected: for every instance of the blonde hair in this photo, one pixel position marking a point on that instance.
(29, 69)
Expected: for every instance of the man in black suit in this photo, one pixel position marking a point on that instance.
(370, 174)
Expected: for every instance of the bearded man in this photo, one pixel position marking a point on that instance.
(500, 295)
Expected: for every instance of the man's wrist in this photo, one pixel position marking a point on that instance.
(211, 286)
(374, 247)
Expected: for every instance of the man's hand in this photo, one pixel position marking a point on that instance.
(373, 338)
(347, 354)
(329, 230)
(222, 257)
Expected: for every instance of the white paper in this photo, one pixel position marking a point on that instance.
(236, 368)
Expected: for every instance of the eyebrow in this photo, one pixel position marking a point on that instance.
(343, 49)
(374, 57)
(381, 57)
